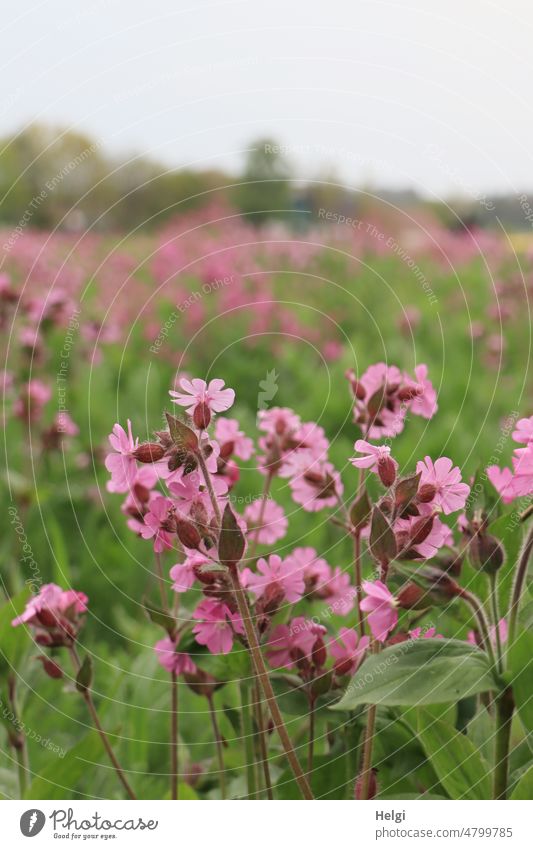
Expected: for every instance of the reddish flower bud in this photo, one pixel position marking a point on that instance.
(188, 535)
(426, 493)
(52, 669)
(372, 786)
(386, 471)
(407, 393)
(149, 452)
(319, 653)
(421, 529)
(412, 597)
(202, 415)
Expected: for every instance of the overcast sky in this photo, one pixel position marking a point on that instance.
(422, 93)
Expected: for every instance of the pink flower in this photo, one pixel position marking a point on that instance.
(65, 425)
(473, 638)
(381, 607)
(273, 523)
(315, 485)
(315, 570)
(502, 481)
(450, 493)
(157, 523)
(121, 463)
(348, 651)
(33, 397)
(372, 454)
(524, 431)
(217, 626)
(439, 535)
(427, 634)
(275, 572)
(232, 440)
(522, 483)
(197, 392)
(425, 402)
(171, 659)
(278, 421)
(339, 592)
(288, 643)
(54, 614)
(183, 574)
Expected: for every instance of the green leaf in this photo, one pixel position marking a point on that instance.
(330, 779)
(420, 672)
(160, 617)
(84, 677)
(182, 436)
(231, 543)
(59, 551)
(524, 788)
(519, 676)
(360, 510)
(461, 770)
(13, 641)
(61, 775)
(382, 540)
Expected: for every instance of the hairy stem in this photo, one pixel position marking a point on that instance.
(209, 485)
(174, 752)
(518, 586)
(358, 581)
(103, 736)
(366, 768)
(247, 733)
(218, 742)
(255, 533)
(263, 740)
(311, 742)
(264, 680)
(473, 601)
(504, 719)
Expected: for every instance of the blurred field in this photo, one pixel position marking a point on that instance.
(213, 296)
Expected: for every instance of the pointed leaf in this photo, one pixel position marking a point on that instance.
(420, 672)
(360, 511)
(461, 770)
(231, 544)
(84, 677)
(519, 673)
(182, 436)
(382, 540)
(405, 491)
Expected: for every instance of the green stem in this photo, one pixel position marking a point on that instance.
(504, 720)
(473, 601)
(518, 586)
(247, 733)
(103, 736)
(209, 485)
(218, 742)
(174, 752)
(255, 533)
(358, 581)
(264, 680)
(366, 769)
(263, 740)
(311, 742)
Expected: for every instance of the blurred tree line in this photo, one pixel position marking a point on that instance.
(58, 178)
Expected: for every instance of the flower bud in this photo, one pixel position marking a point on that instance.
(412, 597)
(426, 493)
(201, 682)
(372, 786)
(386, 471)
(188, 535)
(202, 415)
(421, 529)
(52, 669)
(319, 653)
(486, 553)
(149, 452)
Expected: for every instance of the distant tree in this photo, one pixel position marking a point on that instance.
(265, 189)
